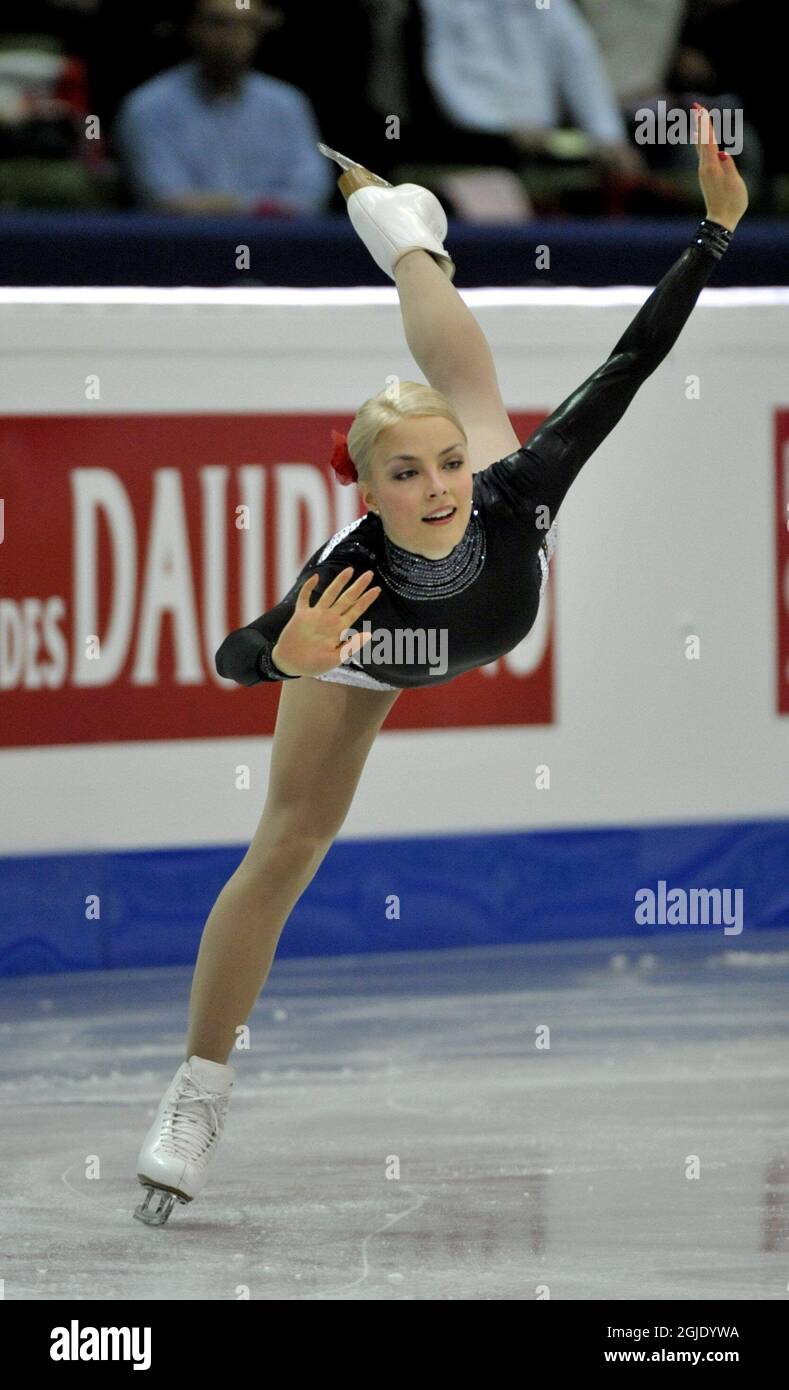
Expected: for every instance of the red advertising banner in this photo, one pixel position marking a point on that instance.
(121, 538)
(782, 557)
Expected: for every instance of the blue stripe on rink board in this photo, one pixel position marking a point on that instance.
(466, 890)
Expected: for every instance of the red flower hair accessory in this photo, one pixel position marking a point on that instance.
(341, 461)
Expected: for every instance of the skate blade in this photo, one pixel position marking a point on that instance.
(156, 1216)
(342, 159)
(355, 176)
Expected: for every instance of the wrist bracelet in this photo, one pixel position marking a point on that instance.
(712, 237)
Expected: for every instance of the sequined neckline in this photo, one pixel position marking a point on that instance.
(418, 577)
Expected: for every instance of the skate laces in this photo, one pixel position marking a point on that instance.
(188, 1130)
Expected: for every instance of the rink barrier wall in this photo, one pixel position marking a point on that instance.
(402, 895)
(121, 813)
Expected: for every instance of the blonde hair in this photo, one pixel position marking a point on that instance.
(388, 408)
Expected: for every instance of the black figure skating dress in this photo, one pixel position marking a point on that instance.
(483, 597)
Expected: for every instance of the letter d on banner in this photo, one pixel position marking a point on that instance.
(92, 489)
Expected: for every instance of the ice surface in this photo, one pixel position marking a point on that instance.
(521, 1169)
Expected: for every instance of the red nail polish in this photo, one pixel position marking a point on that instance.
(722, 154)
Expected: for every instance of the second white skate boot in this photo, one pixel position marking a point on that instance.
(392, 218)
(178, 1148)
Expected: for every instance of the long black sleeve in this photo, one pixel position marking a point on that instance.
(551, 458)
(245, 657)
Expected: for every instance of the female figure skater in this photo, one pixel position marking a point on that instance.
(455, 544)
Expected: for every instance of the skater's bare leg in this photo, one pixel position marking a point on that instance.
(450, 348)
(323, 734)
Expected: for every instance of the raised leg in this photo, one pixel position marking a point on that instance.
(453, 353)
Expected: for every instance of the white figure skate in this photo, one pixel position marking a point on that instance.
(392, 218)
(173, 1161)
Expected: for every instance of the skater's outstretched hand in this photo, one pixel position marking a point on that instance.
(724, 191)
(315, 639)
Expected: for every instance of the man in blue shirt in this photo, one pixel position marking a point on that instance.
(212, 135)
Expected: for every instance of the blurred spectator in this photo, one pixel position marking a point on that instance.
(212, 135)
(638, 39)
(648, 65)
(506, 69)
